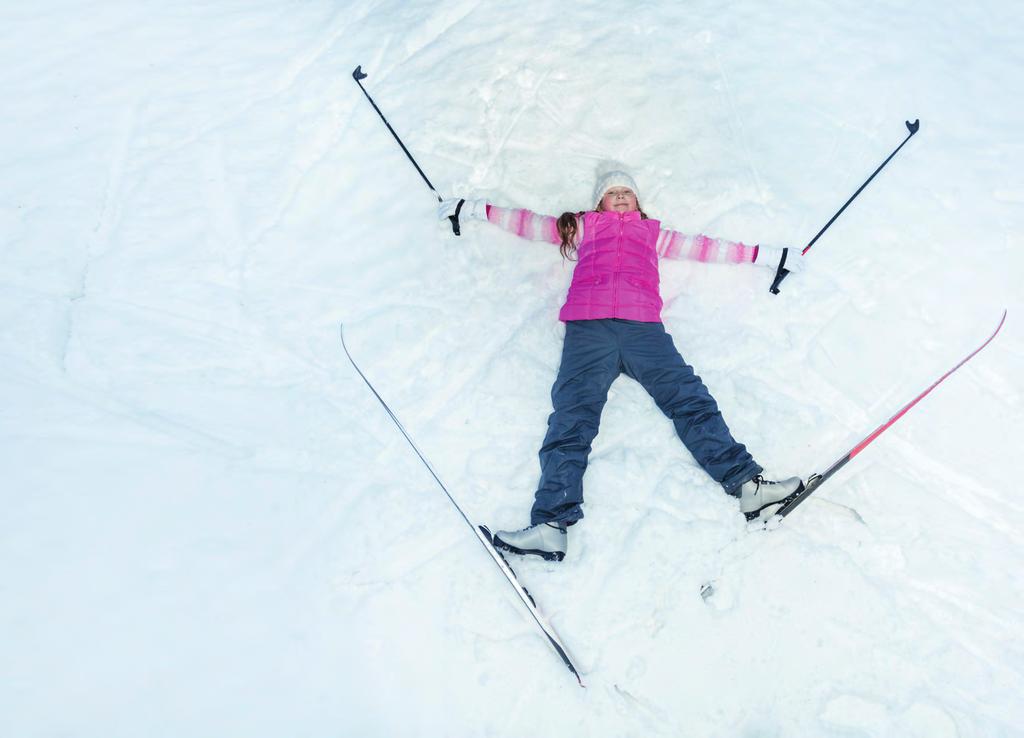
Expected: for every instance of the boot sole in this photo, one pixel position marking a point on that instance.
(778, 505)
(546, 555)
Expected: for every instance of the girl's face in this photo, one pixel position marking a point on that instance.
(619, 200)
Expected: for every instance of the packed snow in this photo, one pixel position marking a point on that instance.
(211, 527)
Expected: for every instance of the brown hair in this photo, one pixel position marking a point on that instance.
(568, 228)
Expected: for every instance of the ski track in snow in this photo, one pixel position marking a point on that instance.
(212, 528)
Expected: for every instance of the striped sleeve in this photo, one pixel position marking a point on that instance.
(676, 245)
(525, 223)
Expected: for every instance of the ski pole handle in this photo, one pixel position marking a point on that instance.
(780, 272)
(455, 218)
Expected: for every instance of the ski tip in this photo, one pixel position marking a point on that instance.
(1002, 320)
(487, 533)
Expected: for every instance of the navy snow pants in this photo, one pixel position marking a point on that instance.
(595, 352)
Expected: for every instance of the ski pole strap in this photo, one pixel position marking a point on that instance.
(455, 218)
(780, 272)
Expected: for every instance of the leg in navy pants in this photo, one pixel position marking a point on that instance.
(595, 352)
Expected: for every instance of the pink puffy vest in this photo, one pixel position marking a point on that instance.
(617, 272)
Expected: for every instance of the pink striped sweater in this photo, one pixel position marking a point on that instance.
(616, 275)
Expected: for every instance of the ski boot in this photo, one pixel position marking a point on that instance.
(761, 498)
(547, 540)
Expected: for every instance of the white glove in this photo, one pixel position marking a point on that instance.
(471, 209)
(770, 256)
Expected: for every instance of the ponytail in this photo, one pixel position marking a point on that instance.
(568, 227)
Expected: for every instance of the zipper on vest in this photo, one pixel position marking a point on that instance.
(616, 278)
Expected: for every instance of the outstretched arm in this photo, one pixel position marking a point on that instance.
(676, 245)
(524, 223)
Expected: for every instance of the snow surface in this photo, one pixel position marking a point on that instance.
(210, 527)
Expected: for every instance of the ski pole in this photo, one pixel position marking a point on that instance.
(781, 272)
(358, 74)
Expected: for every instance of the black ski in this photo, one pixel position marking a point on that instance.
(482, 534)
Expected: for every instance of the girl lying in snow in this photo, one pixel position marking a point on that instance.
(613, 325)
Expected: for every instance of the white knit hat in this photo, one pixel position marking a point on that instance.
(616, 178)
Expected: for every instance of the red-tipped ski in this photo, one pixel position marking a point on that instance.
(482, 534)
(816, 480)
(707, 590)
